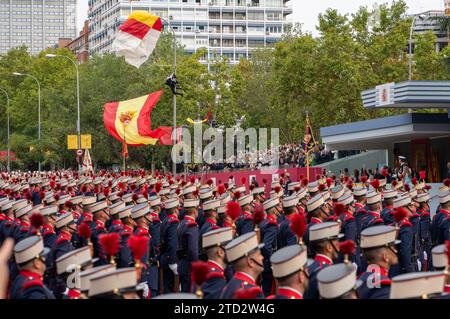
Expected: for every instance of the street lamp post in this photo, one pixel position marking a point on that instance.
(421, 17)
(39, 110)
(78, 97)
(8, 133)
(174, 135)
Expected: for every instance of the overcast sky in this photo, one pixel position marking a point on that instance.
(306, 11)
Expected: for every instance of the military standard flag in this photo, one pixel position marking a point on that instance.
(137, 37)
(129, 121)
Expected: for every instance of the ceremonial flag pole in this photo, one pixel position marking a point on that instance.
(309, 137)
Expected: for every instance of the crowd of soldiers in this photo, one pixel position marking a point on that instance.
(144, 235)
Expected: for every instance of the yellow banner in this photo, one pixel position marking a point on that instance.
(72, 142)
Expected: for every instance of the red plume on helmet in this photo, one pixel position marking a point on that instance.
(221, 189)
(318, 176)
(183, 183)
(37, 220)
(385, 172)
(298, 225)
(422, 174)
(347, 247)
(199, 272)
(84, 231)
(158, 187)
(106, 192)
(258, 215)
(192, 180)
(42, 195)
(196, 192)
(226, 185)
(400, 213)
(237, 194)
(252, 187)
(110, 244)
(447, 182)
(138, 246)
(363, 179)
(84, 189)
(427, 187)
(52, 184)
(134, 197)
(414, 181)
(338, 208)
(282, 175)
(305, 182)
(350, 184)
(264, 181)
(322, 187)
(407, 187)
(394, 183)
(328, 181)
(277, 189)
(297, 188)
(28, 196)
(209, 182)
(375, 183)
(251, 293)
(133, 187)
(170, 182)
(233, 210)
(243, 180)
(231, 177)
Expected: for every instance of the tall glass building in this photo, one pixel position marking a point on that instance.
(38, 24)
(230, 28)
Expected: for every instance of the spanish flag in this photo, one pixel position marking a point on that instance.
(137, 37)
(130, 122)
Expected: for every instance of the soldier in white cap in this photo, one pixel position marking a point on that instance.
(338, 282)
(424, 229)
(30, 255)
(318, 212)
(169, 246)
(286, 236)
(118, 284)
(324, 242)
(213, 243)
(269, 236)
(441, 263)
(188, 238)
(440, 224)
(66, 227)
(244, 224)
(378, 247)
(290, 270)
(374, 207)
(418, 285)
(68, 267)
(244, 254)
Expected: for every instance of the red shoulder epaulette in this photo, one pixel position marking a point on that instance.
(272, 222)
(61, 239)
(248, 218)
(271, 297)
(378, 221)
(382, 282)
(331, 218)
(349, 217)
(24, 229)
(426, 214)
(33, 283)
(191, 224)
(405, 223)
(212, 275)
(215, 227)
(174, 220)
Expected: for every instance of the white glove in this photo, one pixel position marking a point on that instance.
(419, 264)
(145, 289)
(174, 268)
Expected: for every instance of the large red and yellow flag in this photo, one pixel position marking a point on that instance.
(130, 122)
